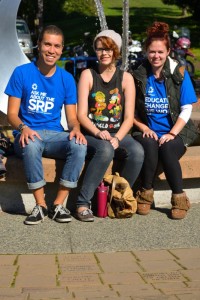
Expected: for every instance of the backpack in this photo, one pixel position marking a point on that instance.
(121, 202)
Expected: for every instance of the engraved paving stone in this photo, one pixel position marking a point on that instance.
(162, 276)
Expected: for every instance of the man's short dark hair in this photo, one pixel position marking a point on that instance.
(51, 29)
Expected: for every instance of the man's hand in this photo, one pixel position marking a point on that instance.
(27, 134)
(80, 139)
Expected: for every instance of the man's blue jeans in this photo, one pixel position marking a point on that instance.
(55, 145)
(101, 153)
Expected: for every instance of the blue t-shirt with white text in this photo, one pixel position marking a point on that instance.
(42, 98)
(157, 105)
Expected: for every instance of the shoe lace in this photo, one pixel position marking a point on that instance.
(60, 209)
(86, 212)
(37, 210)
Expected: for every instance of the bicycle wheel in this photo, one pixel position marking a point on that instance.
(190, 68)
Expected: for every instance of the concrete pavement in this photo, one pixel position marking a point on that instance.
(151, 257)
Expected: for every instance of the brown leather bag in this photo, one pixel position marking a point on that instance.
(121, 202)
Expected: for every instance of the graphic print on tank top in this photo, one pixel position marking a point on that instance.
(114, 107)
(106, 103)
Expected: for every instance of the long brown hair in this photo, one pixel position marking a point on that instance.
(158, 31)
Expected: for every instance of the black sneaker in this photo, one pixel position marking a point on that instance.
(37, 216)
(60, 214)
(86, 215)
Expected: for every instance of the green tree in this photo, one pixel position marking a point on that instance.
(183, 4)
(28, 10)
(40, 14)
(192, 6)
(79, 6)
(51, 10)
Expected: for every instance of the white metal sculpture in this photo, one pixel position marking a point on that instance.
(11, 54)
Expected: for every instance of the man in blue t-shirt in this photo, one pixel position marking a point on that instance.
(37, 92)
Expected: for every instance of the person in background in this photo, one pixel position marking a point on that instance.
(106, 101)
(2, 166)
(5, 146)
(37, 92)
(164, 98)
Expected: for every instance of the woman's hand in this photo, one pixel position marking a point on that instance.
(150, 133)
(114, 142)
(104, 135)
(166, 138)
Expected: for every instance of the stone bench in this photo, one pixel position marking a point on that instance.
(190, 165)
(15, 196)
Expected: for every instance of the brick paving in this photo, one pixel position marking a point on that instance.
(153, 274)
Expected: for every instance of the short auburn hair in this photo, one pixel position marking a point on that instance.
(110, 44)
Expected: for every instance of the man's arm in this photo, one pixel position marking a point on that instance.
(73, 124)
(14, 120)
(13, 111)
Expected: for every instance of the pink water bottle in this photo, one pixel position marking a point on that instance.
(102, 194)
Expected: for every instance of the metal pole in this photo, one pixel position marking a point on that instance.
(101, 15)
(125, 27)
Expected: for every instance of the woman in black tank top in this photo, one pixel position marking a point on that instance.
(105, 111)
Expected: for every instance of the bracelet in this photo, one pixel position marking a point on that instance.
(117, 139)
(173, 134)
(21, 127)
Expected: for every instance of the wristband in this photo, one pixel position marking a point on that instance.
(173, 134)
(21, 127)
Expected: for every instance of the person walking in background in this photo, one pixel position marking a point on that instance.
(37, 92)
(106, 100)
(164, 98)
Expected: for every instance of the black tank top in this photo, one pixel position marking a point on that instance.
(106, 101)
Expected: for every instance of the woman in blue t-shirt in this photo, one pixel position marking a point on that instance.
(164, 97)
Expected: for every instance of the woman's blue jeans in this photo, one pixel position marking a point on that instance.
(55, 145)
(101, 153)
